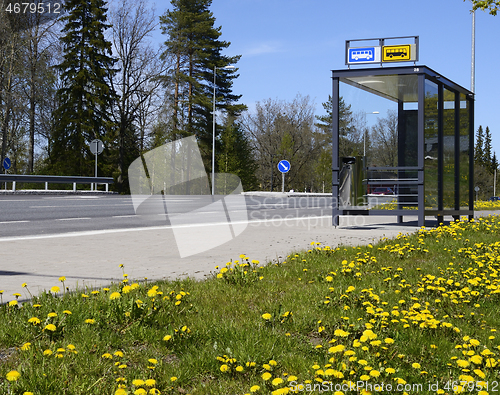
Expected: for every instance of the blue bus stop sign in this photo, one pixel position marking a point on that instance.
(284, 166)
(6, 163)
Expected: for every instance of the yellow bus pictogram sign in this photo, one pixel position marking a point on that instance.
(396, 53)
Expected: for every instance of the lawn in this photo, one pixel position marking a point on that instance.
(416, 314)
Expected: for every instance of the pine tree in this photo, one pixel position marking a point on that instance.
(479, 146)
(487, 156)
(494, 163)
(235, 154)
(86, 96)
(194, 46)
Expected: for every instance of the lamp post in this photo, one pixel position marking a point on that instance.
(364, 133)
(213, 134)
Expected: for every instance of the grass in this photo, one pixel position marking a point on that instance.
(421, 309)
(479, 205)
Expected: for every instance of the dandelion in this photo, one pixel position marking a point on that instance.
(25, 346)
(254, 388)
(55, 289)
(415, 365)
(224, 368)
(150, 382)
(47, 352)
(115, 295)
(172, 379)
(140, 391)
(107, 355)
(462, 363)
(34, 320)
(50, 327)
(126, 289)
(266, 376)
(13, 375)
(167, 338)
(138, 382)
(266, 316)
(90, 321)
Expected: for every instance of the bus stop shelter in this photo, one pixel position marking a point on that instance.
(419, 158)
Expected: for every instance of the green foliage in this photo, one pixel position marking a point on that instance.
(194, 46)
(422, 305)
(235, 154)
(492, 6)
(86, 95)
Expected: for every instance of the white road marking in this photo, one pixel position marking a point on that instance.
(153, 228)
(72, 219)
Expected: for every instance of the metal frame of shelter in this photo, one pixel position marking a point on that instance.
(435, 145)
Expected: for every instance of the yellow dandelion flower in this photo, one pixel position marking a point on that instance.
(34, 321)
(462, 363)
(266, 316)
(115, 295)
(266, 376)
(50, 327)
(13, 375)
(254, 388)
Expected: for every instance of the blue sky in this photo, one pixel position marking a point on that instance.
(289, 47)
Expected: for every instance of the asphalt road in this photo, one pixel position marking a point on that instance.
(30, 215)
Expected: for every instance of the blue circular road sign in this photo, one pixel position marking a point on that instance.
(284, 166)
(6, 163)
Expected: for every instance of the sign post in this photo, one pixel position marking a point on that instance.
(6, 165)
(96, 147)
(283, 167)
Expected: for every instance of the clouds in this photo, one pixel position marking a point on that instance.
(263, 48)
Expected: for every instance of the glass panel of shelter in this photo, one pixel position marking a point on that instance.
(389, 144)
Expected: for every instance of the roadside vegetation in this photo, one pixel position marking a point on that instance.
(418, 310)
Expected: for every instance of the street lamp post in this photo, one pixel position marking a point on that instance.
(364, 133)
(213, 134)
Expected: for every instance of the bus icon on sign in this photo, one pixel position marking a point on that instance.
(362, 54)
(394, 53)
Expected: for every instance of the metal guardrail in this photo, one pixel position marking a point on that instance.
(15, 178)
